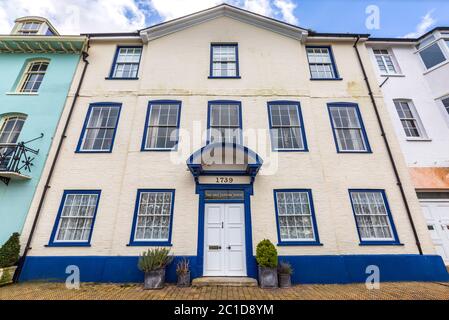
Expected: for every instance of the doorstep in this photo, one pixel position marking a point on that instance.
(224, 282)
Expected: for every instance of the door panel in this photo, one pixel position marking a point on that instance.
(224, 240)
(437, 217)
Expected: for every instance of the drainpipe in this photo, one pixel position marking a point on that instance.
(387, 144)
(85, 55)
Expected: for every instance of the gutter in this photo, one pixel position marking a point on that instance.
(85, 55)
(387, 144)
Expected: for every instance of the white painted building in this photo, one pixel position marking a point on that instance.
(307, 165)
(414, 76)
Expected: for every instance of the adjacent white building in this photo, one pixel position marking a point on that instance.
(414, 77)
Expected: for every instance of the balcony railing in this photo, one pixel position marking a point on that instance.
(16, 161)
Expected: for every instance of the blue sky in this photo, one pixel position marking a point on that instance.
(398, 18)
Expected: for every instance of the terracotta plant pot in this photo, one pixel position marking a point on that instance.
(285, 280)
(6, 275)
(268, 277)
(154, 279)
(184, 279)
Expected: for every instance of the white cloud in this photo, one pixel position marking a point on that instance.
(287, 8)
(76, 16)
(426, 22)
(90, 16)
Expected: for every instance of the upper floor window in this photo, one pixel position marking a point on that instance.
(99, 128)
(432, 55)
(295, 217)
(286, 126)
(347, 125)
(126, 63)
(321, 63)
(445, 102)
(224, 61)
(76, 216)
(225, 122)
(162, 126)
(385, 61)
(29, 28)
(33, 76)
(409, 119)
(153, 217)
(373, 216)
(9, 135)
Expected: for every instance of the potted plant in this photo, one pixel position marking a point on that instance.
(9, 256)
(153, 263)
(267, 260)
(183, 272)
(285, 271)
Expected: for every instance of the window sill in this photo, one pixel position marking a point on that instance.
(436, 67)
(396, 75)
(418, 139)
(149, 244)
(380, 243)
(22, 93)
(356, 152)
(290, 150)
(81, 151)
(211, 77)
(67, 244)
(299, 243)
(159, 150)
(109, 78)
(326, 79)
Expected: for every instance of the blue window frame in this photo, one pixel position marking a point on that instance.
(126, 63)
(286, 126)
(224, 122)
(295, 217)
(224, 61)
(162, 122)
(322, 63)
(153, 218)
(348, 128)
(75, 219)
(373, 217)
(100, 128)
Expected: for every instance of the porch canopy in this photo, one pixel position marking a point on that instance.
(224, 159)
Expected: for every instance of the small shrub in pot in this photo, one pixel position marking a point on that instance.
(285, 271)
(183, 272)
(153, 263)
(267, 260)
(9, 256)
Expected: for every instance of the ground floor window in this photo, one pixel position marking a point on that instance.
(153, 217)
(76, 217)
(373, 216)
(295, 217)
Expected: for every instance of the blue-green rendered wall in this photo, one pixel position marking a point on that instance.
(43, 112)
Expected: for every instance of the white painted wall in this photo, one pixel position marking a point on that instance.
(424, 88)
(273, 67)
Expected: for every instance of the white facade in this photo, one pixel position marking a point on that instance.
(273, 66)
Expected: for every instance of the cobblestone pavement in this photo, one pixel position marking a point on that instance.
(387, 291)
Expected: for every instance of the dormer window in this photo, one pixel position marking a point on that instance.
(30, 28)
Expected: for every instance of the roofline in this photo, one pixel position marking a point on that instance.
(338, 35)
(111, 34)
(409, 40)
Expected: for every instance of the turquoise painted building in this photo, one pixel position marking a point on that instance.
(38, 66)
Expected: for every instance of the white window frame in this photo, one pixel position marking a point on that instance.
(24, 31)
(438, 39)
(392, 57)
(28, 72)
(444, 109)
(419, 125)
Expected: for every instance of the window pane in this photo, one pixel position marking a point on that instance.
(432, 56)
(294, 216)
(76, 217)
(100, 128)
(348, 129)
(320, 63)
(162, 131)
(34, 76)
(225, 123)
(408, 119)
(286, 130)
(446, 104)
(372, 217)
(224, 60)
(127, 63)
(153, 217)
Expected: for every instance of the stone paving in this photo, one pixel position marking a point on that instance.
(387, 291)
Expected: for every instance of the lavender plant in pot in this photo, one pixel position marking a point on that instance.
(183, 272)
(153, 263)
(9, 257)
(285, 271)
(267, 260)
